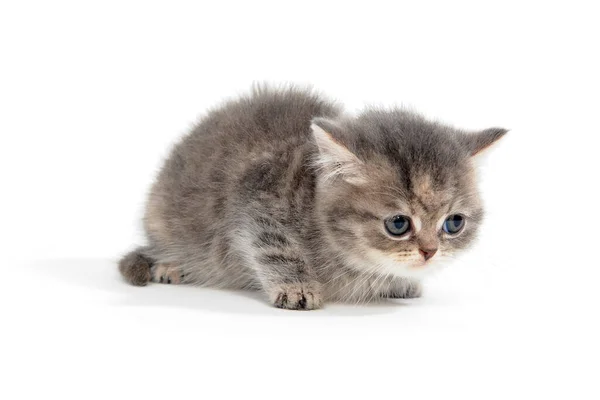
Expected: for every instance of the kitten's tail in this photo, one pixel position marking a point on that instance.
(135, 267)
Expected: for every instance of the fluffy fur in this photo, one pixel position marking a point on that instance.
(279, 191)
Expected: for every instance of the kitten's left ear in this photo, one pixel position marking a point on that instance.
(335, 159)
(477, 143)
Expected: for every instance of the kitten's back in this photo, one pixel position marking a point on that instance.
(267, 114)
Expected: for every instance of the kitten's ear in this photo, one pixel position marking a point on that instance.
(478, 142)
(335, 159)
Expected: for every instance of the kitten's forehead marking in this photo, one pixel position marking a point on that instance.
(427, 196)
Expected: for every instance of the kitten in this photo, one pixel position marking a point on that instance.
(279, 191)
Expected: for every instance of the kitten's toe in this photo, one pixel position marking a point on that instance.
(166, 273)
(297, 296)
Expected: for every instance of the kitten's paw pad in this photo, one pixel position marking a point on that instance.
(411, 290)
(297, 296)
(166, 273)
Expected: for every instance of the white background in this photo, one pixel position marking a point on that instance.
(92, 95)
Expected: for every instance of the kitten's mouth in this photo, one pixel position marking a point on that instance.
(423, 263)
(420, 264)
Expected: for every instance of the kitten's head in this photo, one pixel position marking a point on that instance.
(396, 193)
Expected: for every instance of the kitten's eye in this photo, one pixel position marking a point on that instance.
(453, 224)
(398, 225)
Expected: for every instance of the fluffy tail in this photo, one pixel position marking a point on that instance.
(135, 267)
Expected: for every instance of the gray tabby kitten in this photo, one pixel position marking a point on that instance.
(280, 192)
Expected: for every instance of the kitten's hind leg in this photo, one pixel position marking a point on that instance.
(284, 272)
(168, 273)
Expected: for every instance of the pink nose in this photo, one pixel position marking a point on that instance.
(427, 253)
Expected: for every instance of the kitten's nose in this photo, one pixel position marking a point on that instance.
(427, 253)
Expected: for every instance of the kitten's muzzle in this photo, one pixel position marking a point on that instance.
(427, 253)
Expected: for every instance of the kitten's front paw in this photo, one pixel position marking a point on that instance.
(297, 296)
(406, 289)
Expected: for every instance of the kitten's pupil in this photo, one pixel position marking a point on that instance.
(454, 224)
(398, 225)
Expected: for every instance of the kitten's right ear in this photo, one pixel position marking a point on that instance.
(335, 159)
(479, 142)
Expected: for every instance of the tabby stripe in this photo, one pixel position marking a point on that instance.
(271, 239)
(281, 259)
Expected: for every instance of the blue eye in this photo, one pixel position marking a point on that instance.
(453, 224)
(398, 225)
